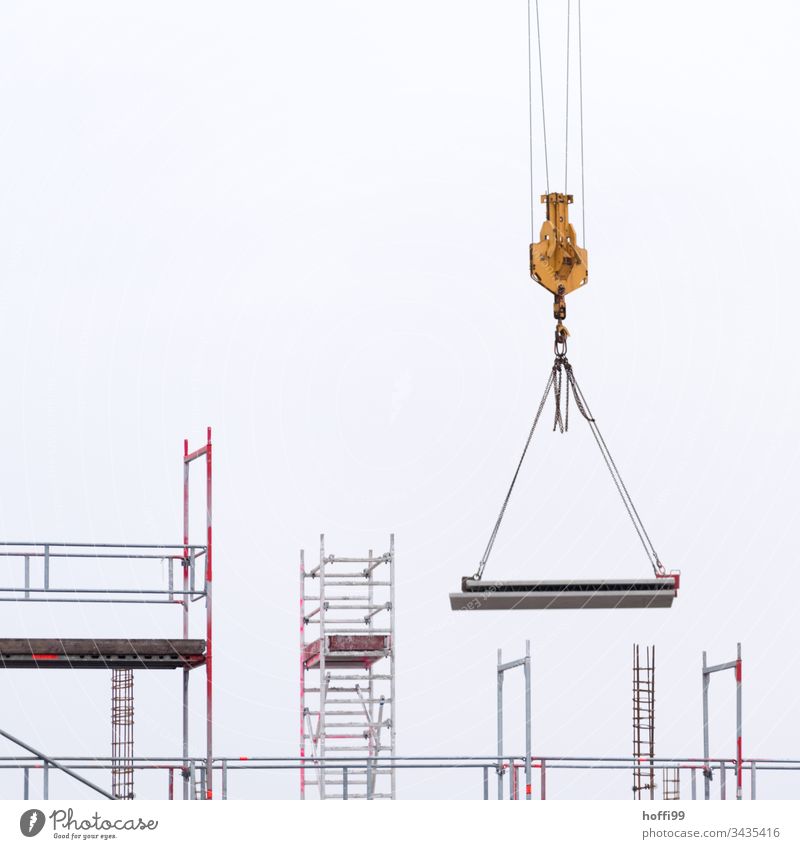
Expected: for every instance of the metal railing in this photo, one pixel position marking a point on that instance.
(482, 767)
(20, 560)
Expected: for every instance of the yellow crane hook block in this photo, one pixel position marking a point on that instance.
(557, 262)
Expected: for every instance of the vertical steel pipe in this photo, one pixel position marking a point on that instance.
(185, 612)
(323, 688)
(302, 673)
(499, 724)
(739, 721)
(209, 629)
(528, 729)
(706, 771)
(392, 660)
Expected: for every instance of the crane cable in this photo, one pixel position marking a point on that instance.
(580, 99)
(530, 123)
(530, 106)
(543, 110)
(566, 112)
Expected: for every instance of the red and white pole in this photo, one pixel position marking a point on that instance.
(209, 627)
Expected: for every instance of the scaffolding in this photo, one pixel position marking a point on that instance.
(343, 763)
(122, 733)
(502, 668)
(55, 572)
(644, 722)
(671, 783)
(347, 666)
(708, 671)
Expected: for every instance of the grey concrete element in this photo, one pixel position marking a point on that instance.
(563, 595)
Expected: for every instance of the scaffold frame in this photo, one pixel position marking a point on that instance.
(708, 671)
(349, 631)
(38, 564)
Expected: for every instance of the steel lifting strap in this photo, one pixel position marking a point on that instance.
(561, 391)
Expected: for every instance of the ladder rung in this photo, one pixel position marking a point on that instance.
(373, 796)
(343, 676)
(336, 622)
(332, 689)
(337, 575)
(337, 713)
(336, 598)
(363, 583)
(335, 736)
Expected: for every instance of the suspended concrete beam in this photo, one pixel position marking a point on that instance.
(564, 595)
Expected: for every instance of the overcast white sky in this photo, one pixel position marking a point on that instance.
(307, 224)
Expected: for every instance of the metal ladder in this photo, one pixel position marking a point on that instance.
(671, 783)
(644, 721)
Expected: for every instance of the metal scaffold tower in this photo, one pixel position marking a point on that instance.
(122, 733)
(177, 576)
(347, 684)
(644, 722)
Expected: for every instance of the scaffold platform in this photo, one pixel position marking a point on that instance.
(348, 651)
(101, 654)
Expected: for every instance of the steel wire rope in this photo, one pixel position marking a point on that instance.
(633, 513)
(566, 110)
(493, 535)
(541, 89)
(580, 100)
(555, 384)
(530, 122)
